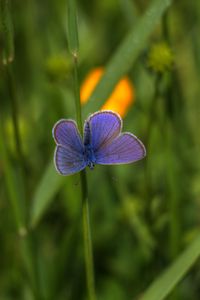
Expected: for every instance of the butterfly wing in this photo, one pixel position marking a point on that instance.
(68, 157)
(67, 162)
(101, 128)
(65, 132)
(124, 149)
(109, 145)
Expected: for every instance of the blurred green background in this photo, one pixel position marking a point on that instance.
(142, 215)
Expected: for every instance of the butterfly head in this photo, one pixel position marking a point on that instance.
(91, 165)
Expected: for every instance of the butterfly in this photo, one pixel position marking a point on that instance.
(102, 143)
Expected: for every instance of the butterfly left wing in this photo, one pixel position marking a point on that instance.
(65, 133)
(67, 161)
(68, 157)
(124, 149)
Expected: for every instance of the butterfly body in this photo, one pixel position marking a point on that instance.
(103, 143)
(87, 134)
(89, 156)
(88, 149)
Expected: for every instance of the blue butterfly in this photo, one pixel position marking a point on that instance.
(103, 143)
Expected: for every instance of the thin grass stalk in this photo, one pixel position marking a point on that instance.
(73, 47)
(7, 36)
(19, 218)
(14, 111)
(87, 238)
(152, 112)
(8, 56)
(84, 194)
(6, 32)
(16, 197)
(10, 183)
(174, 211)
(147, 138)
(174, 205)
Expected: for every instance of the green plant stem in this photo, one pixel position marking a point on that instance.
(16, 194)
(77, 94)
(6, 32)
(73, 48)
(152, 113)
(14, 110)
(20, 224)
(174, 209)
(13, 193)
(84, 192)
(147, 139)
(174, 197)
(87, 238)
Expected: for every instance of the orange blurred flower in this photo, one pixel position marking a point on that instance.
(121, 98)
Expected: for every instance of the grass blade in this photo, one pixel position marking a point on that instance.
(47, 188)
(127, 53)
(165, 283)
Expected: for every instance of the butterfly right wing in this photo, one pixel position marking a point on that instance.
(124, 149)
(68, 157)
(101, 128)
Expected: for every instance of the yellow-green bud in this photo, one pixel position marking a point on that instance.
(160, 57)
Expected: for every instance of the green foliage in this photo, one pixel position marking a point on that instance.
(169, 279)
(128, 51)
(48, 187)
(145, 216)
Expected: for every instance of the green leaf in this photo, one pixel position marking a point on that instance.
(47, 188)
(127, 53)
(165, 283)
